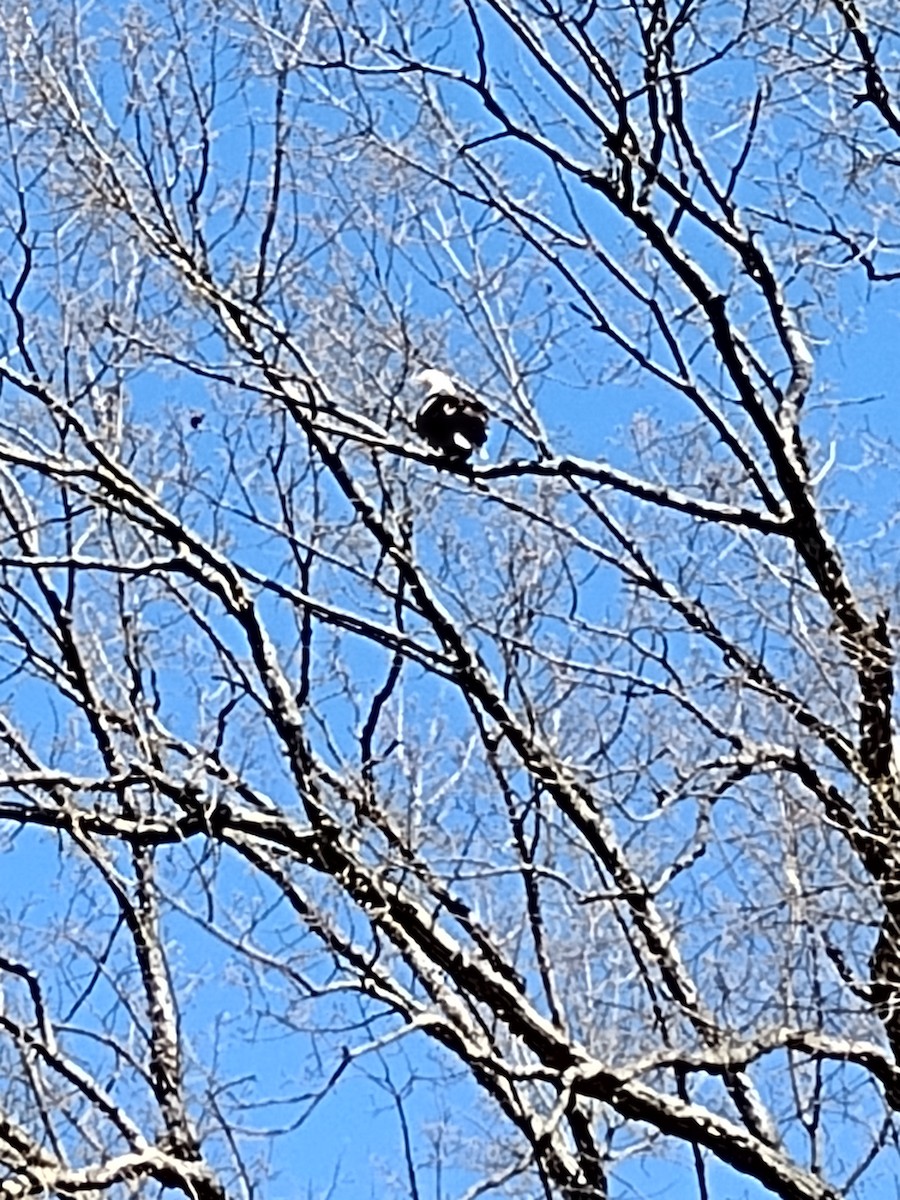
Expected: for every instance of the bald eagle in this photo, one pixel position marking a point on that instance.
(451, 421)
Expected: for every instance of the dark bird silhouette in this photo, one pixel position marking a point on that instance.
(451, 421)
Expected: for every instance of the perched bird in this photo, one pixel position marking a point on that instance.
(450, 420)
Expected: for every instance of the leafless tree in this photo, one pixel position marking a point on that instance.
(539, 815)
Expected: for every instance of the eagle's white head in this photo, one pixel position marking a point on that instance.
(437, 382)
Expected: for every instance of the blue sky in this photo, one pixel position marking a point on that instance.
(588, 410)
